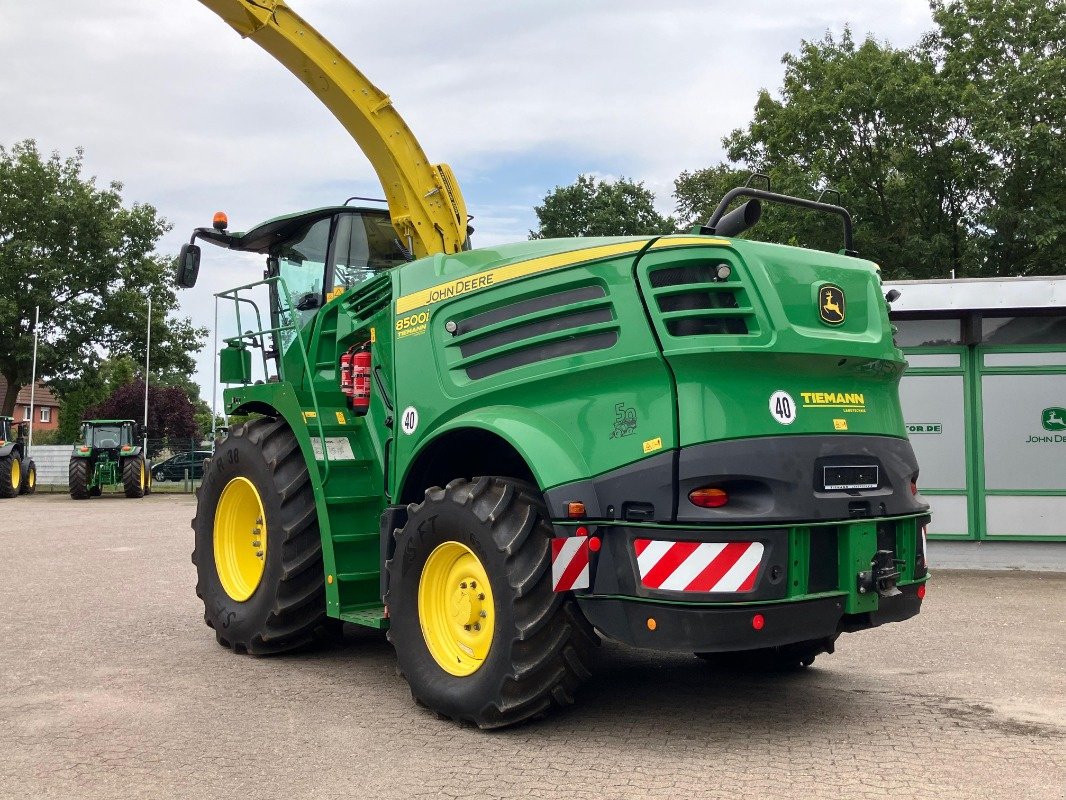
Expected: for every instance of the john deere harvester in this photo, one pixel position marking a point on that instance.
(108, 453)
(18, 473)
(682, 442)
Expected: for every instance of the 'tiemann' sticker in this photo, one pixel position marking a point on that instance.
(783, 407)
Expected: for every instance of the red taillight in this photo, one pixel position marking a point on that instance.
(914, 487)
(921, 592)
(708, 497)
(594, 544)
(758, 621)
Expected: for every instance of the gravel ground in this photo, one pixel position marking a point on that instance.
(111, 686)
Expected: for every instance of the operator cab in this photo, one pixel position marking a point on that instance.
(107, 435)
(318, 255)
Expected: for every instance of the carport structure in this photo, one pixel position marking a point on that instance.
(984, 399)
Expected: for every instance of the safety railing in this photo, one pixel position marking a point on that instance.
(255, 339)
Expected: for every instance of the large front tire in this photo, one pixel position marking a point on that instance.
(258, 553)
(497, 654)
(29, 481)
(78, 478)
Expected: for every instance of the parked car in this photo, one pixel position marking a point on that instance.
(174, 468)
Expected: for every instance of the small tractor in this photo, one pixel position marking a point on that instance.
(18, 473)
(685, 442)
(108, 454)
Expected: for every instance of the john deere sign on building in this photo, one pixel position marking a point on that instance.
(985, 403)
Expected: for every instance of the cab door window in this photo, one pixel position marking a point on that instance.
(363, 246)
(302, 264)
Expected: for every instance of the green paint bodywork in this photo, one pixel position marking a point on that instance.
(559, 413)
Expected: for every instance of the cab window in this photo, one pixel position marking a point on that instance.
(364, 245)
(302, 264)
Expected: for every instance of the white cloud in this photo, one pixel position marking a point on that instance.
(166, 98)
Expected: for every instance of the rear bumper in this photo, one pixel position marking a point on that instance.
(692, 628)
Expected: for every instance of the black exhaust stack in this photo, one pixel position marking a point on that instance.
(738, 220)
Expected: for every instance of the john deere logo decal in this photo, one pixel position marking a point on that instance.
(1054, 419)
(831, 304)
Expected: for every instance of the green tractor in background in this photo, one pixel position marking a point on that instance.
(108, 454)
(18, 474)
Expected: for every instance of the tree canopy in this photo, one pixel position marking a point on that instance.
(170, 411)
(592, 207)
(950, 154)
(89, 262)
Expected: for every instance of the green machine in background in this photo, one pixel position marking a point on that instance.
(18, 473)
(109, 454)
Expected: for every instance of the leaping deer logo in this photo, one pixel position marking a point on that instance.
(831, 308)
(1054, 419)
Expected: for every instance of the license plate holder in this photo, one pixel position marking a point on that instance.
(850, 476)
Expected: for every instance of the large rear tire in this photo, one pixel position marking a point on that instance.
(258, 552)
(29, 480)
(10, 475)
(479, 633)
(134, 476)
(78, 478)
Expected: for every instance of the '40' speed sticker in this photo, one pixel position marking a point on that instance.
(409, 420)
(783, 407)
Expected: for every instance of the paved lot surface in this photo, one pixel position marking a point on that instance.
(111, 686)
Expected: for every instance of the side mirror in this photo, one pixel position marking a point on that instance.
(188, 266)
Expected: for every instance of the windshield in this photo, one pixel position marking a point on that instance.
(5, 430)
(302, 265)
(104, 436)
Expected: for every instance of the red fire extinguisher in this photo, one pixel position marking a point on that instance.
(361, 381)
(346, 372)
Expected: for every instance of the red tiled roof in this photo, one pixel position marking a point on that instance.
(41, 397)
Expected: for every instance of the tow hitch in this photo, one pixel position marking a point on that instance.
(882, 576)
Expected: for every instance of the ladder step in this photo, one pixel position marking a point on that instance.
(355, 537)
(368, 617)
(358, 576)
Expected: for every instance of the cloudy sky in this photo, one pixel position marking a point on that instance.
(517, 97)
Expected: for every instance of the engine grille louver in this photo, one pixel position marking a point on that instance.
(576, 320)
(692, 301)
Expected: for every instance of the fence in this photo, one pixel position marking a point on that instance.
(177, 466)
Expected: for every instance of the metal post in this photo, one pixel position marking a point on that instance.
(214, 379)
(147, 353)
(33, 378)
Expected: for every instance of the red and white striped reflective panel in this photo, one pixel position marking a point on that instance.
(570, 563)
(698, 566)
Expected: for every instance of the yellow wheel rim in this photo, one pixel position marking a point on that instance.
(31, 478)
(16, 473)
(142, 477)
(455, 609)
(240, 539)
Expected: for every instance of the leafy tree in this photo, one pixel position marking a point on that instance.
(170, 412)
(1005, 61)
(591, 207)
(949, 154)
(89, 262)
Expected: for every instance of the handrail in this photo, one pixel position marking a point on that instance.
(231, 294)
(774, 197)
